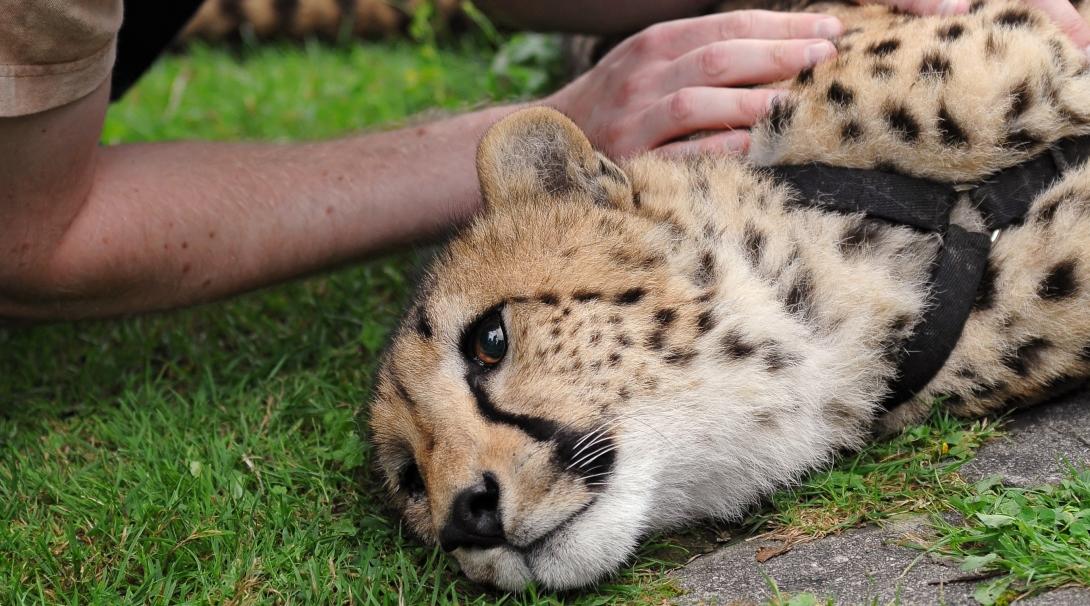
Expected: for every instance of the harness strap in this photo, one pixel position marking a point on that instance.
(1003, 199)
(954, 281)
(897, 198)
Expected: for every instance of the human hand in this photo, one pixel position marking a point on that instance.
(682, 77)
(1062, 12)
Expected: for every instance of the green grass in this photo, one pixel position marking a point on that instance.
(913, 471)
(211, 455)
(1029, 540)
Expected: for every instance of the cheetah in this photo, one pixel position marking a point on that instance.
(611, 349)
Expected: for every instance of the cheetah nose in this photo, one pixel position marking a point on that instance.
(474, 517)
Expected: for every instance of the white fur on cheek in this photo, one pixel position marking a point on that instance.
(600, 539)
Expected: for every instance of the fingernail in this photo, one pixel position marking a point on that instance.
(818, 52)
(830, 28)
(953, 7)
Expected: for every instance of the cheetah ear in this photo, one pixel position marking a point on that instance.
(540, 152)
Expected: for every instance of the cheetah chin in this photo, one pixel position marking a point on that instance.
(609, 350)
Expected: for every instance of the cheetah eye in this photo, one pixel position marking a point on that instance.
(410, 481)
(487, 341)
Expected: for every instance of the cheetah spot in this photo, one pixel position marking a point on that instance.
(1060, 282)
(884, 48)
(935, 66)
(840, 95)
(903, 123)
(951, 133)
(630, 296)
(951, 32)
(1013, 17)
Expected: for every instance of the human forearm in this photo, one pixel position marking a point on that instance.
(180, 223)
(100, 231)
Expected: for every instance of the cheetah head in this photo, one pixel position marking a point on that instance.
(542, 406)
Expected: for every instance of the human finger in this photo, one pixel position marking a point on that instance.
(742, 62)
(731, 142)
(1067, 18)
(699, 108)
(671, 39)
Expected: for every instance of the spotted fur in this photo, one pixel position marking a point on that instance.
(684, 337)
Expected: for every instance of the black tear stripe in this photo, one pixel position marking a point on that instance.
(571, 451)
(537, 428)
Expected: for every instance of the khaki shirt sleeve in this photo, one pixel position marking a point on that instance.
(53, 52)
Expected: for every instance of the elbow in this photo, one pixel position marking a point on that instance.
(40, 288)
(26, 293)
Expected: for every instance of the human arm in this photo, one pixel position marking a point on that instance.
(95, 231)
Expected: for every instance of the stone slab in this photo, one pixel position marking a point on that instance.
(873, 565)
(1037, 442)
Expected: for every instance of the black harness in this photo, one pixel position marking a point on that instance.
(1003, 199)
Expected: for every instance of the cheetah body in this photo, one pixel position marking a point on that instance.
(684, 337)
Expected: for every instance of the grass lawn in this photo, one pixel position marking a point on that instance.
(212, 456)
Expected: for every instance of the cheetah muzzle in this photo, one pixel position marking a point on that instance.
(609, 350)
